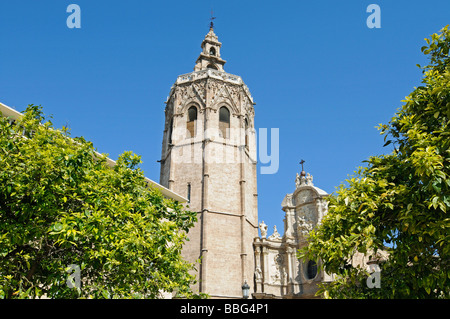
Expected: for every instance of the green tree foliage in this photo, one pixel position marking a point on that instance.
(399, 203)
(62, 205)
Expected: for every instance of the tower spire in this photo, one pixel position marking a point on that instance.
(210, 58)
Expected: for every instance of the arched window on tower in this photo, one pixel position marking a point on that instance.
(224, 122)
(169, 131)
(311, 270)
(191, 120)
(189, 192)
(211, 66)
(212, 51)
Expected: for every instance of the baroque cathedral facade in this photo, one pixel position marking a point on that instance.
(209, 156)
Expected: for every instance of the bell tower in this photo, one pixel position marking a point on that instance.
(209, 58)
(209, 156)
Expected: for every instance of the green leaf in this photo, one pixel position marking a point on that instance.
(105, 294)
(57, 227)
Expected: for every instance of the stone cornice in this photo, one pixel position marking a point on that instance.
(214, 74)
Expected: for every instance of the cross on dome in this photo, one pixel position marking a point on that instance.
(210, 58)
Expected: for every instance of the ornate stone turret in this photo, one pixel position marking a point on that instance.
(304, 208)
(209, 58)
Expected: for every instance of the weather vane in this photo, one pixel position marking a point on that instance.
(211, 25)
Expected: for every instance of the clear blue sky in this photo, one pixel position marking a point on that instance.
(314, 68)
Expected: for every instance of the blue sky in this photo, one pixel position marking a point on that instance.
(314, 68)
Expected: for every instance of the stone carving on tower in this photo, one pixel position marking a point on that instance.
(278, 271)
(263, 229)
(209, 156)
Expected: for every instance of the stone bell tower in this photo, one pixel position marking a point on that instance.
(209, 156)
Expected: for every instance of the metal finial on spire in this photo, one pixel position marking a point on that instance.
(211, 24)
(303, 173)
